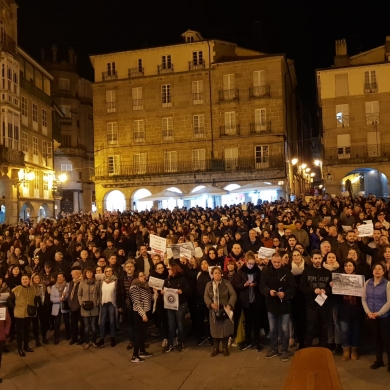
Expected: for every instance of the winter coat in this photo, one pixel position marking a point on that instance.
(313, 278)
(202, 279)
(244, 293)
(140, 298)
(5, 325)
(89, 292)
(179, 282)
(23, 296)
(74, 303)
(237, 280)
(55, 298)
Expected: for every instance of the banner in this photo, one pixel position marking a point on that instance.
(158, 244)
(266, 253)
(156, 283)
(366, 230)
(171, 299)
(184, 252)
(177, 247)
(348, 284)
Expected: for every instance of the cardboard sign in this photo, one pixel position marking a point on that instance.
(266, 253)
(366, 230)
(158, 244)
(156, 283)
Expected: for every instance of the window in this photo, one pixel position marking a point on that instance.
(166, 62)
(341, 84)
(66, 167)
(139, 131)
(374, 144)
(139, 161)
(35, 150)
(261, 156)
(137, 64)
(197, 92)
(231, 158)
(35, 116)
(136, 94)
(113, 165)
(44, 121)
(166, 96)
(44, 150)
(45, 184)
(342, 115)
(11, 130)
(370, 83)
(343, 146)
(199, 159)
(49, 153)
(64, 85)
(66, 140)
(24, 142)
(372, 112)
(111, 101)
(260, 120)
(228, 86)
(259, 87)
(36, 181)
(167, 129)
(24, 107)
(112, 133)
(111, 71)
(197, 57)
(198, 123)
(230, 123)
(170, 161)
(66, 111)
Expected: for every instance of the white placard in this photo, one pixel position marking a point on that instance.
(156, 283)
(158, 244)
(347, 228)
(368, 221)
(184, 252)
(266, 253)
(365, 230)
(171, 299)
(198, 252)
(2, 313)
(257, 229)
(169, 253)
(345, 194)
(348, 284)
(321, 298)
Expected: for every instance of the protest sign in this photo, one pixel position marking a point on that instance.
(156, 283)
(365, 230)
(266, 253)
(184, 252)
(347, 228)
(198, 252)
(348, 284)
(171, 299)
(158, 244)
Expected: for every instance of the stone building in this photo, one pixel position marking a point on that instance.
(203, 112)
(354, 103)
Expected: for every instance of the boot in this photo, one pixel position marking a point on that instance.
(216, 348)
(346, 354)
(225, 341)
(354, 353)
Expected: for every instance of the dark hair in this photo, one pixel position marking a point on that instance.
(352, 262)
(315, 252)
(380, 264)
(88, 269)
(175, 269)
(61, 273)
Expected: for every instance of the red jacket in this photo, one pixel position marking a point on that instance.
(5, 325)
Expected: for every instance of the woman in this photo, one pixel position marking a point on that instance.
(376, 304)
(14, 277)
(24, 309)
(219, 295)
(351, 317)
(212, 258)
(88, 295)
(176, 280)
(41, 302)
(142, 305)
(59, 297)
(110, 299)
(267, 240)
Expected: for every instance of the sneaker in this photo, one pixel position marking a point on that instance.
(169, 348)
(292, 343)
(164, 343)
(201, 341)
(271, 354)
(245, 346)
(284, 357)
(230, 342)
(259, 347)
(145, 354)
(234, 343)
(180, 347)
(137, 359)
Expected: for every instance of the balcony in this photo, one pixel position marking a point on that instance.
(195, 65)
(10, 156)
(110, 107)
(259, 91)
(342, 120)
(370, 87)
(129, 170)
(138, 104)
(33, 90)
(139, 136)
(136, 72)
(357, 154)
(7, 44)
(110, 75)
(228, 94)
(199, 132)
(168, 68)
(66, 121)
(260, 128)
(197, 98)
(167, 135)
(227, 131)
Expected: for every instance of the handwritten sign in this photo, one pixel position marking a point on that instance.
(366, 230)
(156, 283)
(184, 252)
(347, 228)
(266, 253)
(158, 244)
(368, 221)
(348, 284)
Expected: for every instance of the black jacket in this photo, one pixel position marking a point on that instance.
(244, 293)
(313, 278)
(179, 282)
(275, 279)
(252, 246)
(202, 279)
(140, 265)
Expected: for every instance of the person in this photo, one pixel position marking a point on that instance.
(376, 304)
(5, 327)
(42, 300)
(219, 297)
(88, 296)
(144, 262)
(76, 321)
(351, 318)
(24, 297)
(277, 284)
(59, 297)
(142, 304)
(315, 282)
(178, 281)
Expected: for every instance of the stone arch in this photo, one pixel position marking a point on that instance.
(44, 212)
(114, 200)
(26, 211)
(136, 200)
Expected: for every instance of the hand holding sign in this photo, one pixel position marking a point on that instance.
(366, 230)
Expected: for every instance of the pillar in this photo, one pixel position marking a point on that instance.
(76, 205)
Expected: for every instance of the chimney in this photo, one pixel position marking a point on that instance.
(54, 51)
(42, 55)
(71, 56)
(341, 58)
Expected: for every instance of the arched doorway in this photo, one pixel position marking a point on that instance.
(115, 201)
(172, 203)
(137, 202)
(364, 181)
(26, 211)
(44, 212)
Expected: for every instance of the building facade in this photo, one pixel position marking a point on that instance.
(74, 151)
(354, 103)
(204, 112)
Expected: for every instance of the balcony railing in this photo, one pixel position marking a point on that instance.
(111, 107)
(136, 72)
(33, 90)
(198, 132)
(167, 135)
(161, 69)
(197, 98)
(229, 130)
(138, 104)
(194, 65)
(259, 91)
(342, 120)
(229, 94)
(7, 43)
(139, 136)
(357, 154)
(370, 87)
(66, 121)
(263, 127)
(130, 170)
(10, 156)
(110, 75)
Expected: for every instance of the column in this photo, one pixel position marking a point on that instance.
(76, 205)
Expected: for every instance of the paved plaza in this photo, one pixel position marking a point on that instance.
(64, 367)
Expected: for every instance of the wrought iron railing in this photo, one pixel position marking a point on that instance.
(261, 127)
(357, 154)
(194, 65)
(110, 75)
(136, 72)
(229, 94)
(165, 68)
(229, 130)
(259, 91)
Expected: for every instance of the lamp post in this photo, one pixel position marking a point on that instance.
(53, 183)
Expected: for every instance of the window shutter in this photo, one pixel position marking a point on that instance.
(343, 140)
(259, 78)
(341, 81)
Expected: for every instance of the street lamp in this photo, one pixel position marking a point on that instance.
(53, 182)
(317, 163)
(312, 174)
(308, 169)
(294, 161)
(303, 166)
(24, 177)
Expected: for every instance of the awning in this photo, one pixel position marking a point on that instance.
(208, 190)
(163, 195)
(255, 186)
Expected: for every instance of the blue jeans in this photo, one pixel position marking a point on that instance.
(176, 319)
(90, 326)
(334, 331)
(107, 310)
(350, 333)
(276, 321)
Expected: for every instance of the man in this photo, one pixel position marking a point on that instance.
(144, 262)
(110, 250)
(117, 270)
(348, 219)
(332, 238)
(44, 255)
(278, 285)
(315, 283)
(237, 254)
(301, 235)
(382, 220)
(205, 241)
(76, 321)
(325, 248)
(344, 248)
(61, 265)
(253, 243)
(84, 262)
(292, 241)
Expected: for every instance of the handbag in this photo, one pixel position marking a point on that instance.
(87, 305)
(64, 305)
(220, 314)
(31, 311)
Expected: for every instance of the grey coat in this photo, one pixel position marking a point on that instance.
(89, 292)
(227, 296)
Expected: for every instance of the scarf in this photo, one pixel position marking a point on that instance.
(137, 282)
(216, 292)
(333, 267)
(90, 281)
(297, 269)
(109, 279)
(61, 287)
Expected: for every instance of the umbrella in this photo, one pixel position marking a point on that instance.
(162, 195)
(255, 186)
(208, 190)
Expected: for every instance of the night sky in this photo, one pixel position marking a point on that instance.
(303, 29)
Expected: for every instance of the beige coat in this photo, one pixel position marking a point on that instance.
(23, 296)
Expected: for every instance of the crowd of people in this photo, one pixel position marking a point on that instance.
(93, 275)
